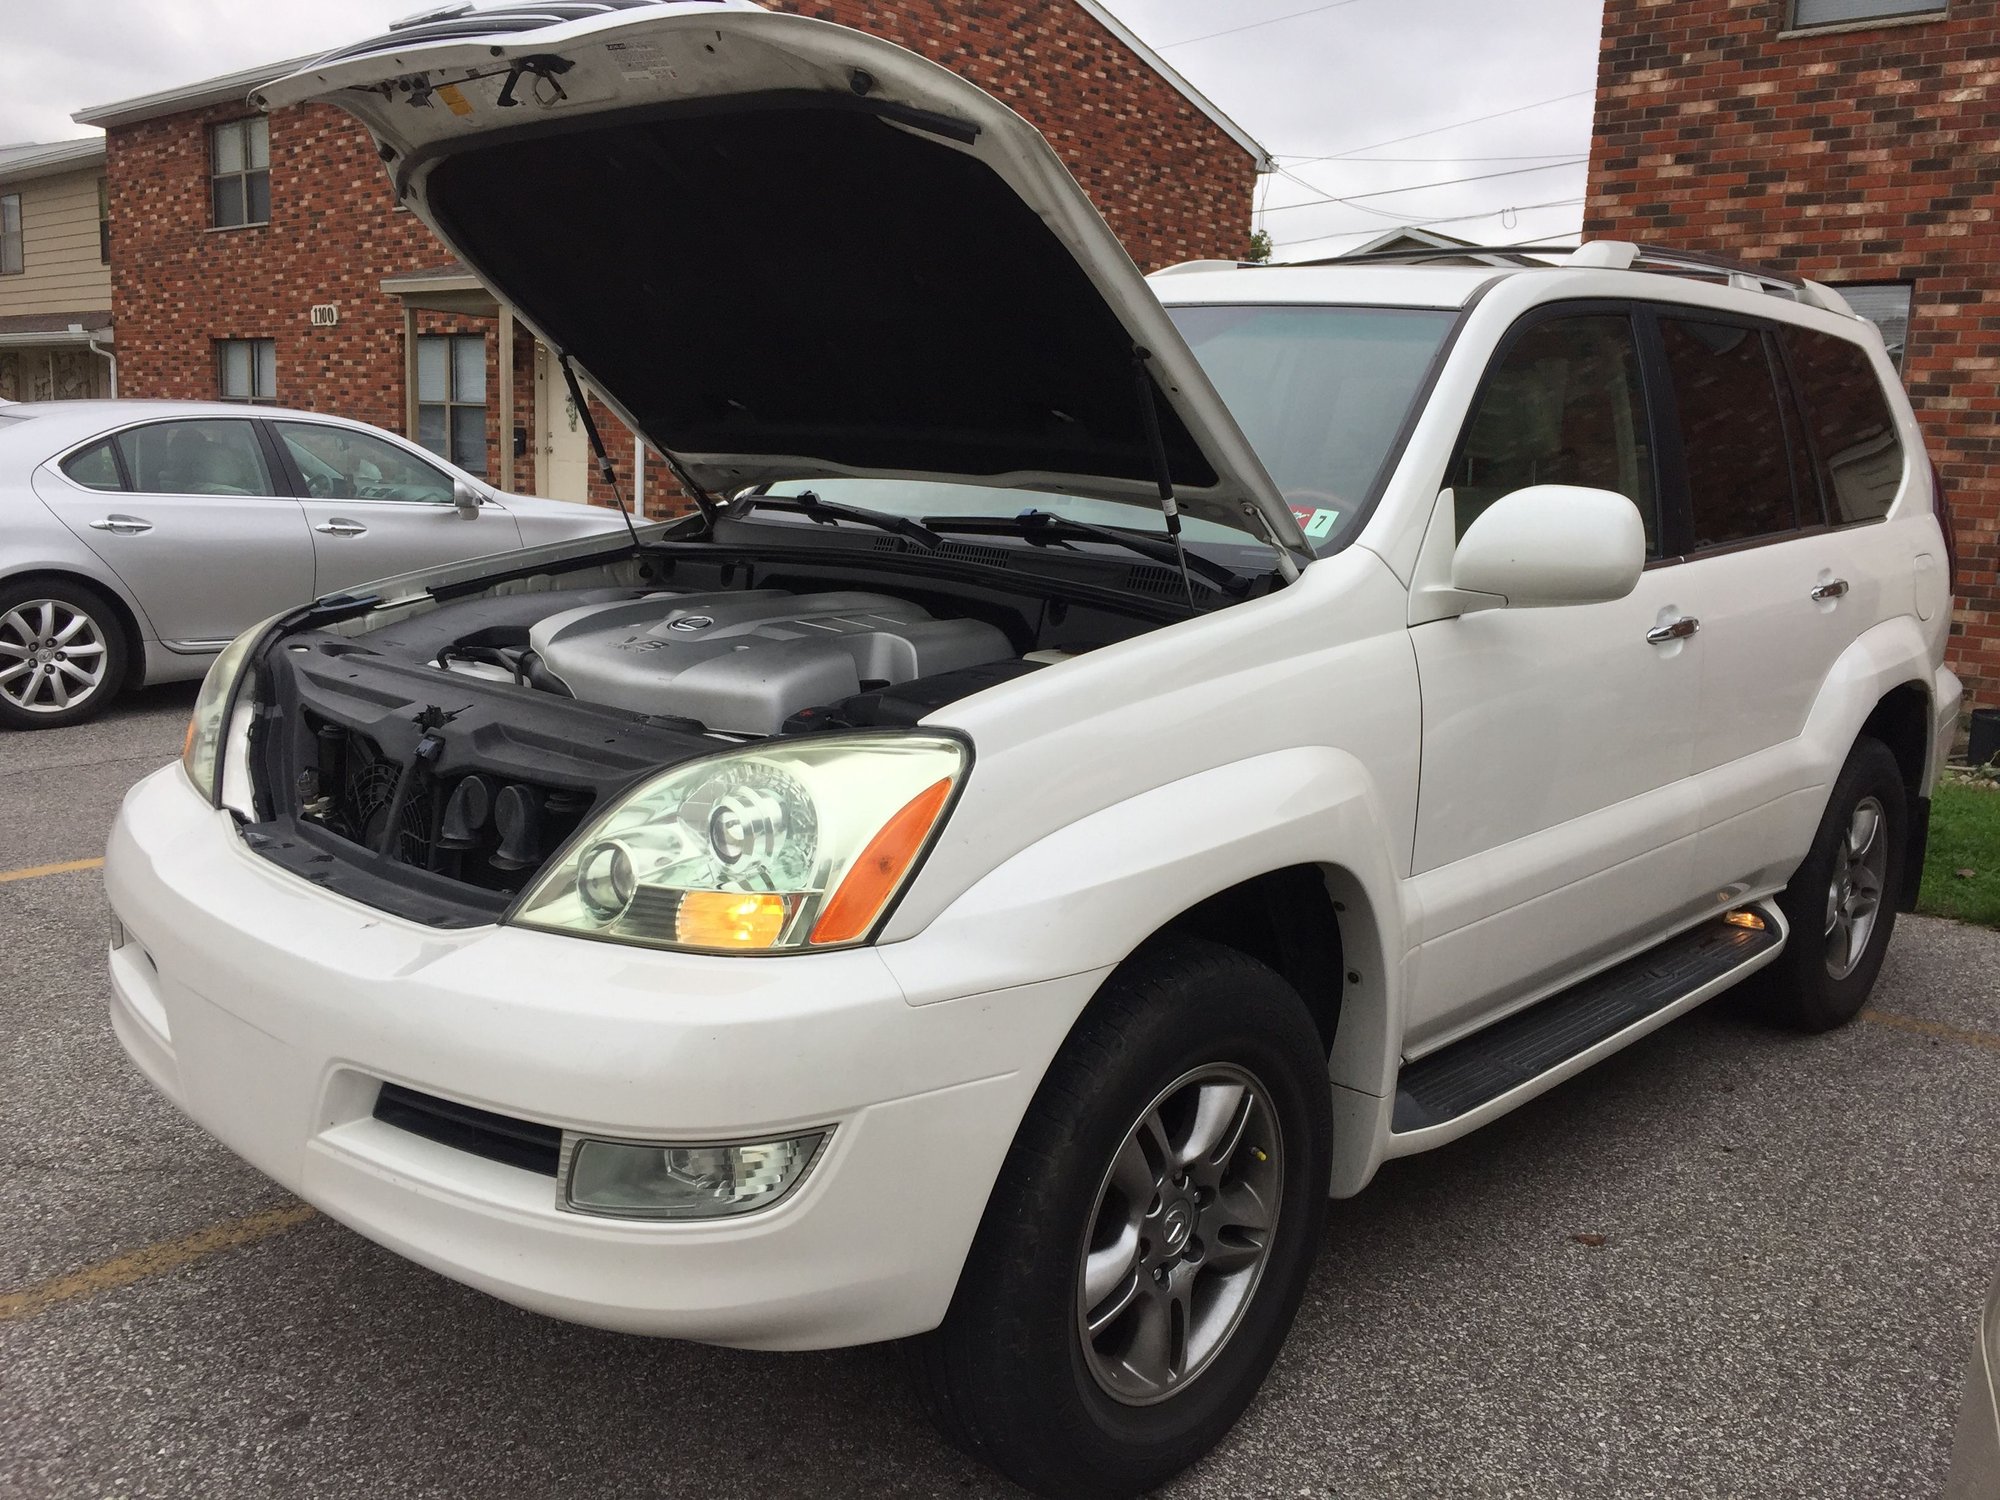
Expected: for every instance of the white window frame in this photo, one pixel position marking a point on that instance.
(263, 371)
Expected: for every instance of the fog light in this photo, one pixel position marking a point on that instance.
(629, 1179)
(117, 930)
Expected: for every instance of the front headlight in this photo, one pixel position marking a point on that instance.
(201, 752)
(787, 846)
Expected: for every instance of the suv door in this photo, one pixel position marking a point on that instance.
(1555, 821)
(376, 509)
(1788, 574)
(187, 513)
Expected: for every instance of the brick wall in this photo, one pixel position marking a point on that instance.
(1170, 182)
(1854, 155)
(335, 232)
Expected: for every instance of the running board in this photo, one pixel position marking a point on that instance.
(1517, 1058)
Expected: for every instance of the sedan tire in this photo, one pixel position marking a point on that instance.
(1150, 1236)
(63, 654)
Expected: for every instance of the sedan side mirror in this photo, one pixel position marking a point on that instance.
(465, 499)
(1552, 544)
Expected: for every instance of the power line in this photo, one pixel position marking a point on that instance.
(1252, 26)
(1512, 208)
(1575, 161)
(1531, 156)
(1519, 109)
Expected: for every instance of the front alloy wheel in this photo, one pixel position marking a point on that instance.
(1149, 1238)
(1183, 1226)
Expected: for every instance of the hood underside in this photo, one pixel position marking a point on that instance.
(782, 249)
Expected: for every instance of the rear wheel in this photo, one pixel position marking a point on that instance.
(1150, 1236)
(62, 654)
(1841, 903)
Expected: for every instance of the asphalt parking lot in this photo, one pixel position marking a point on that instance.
(1795, 1237)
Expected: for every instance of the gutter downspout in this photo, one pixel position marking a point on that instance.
(108, 357)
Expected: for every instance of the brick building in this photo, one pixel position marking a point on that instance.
(1850, 141)
(264, 258)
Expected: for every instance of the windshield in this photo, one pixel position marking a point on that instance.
(1321, 392)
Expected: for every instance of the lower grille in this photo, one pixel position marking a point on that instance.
(516, 1143)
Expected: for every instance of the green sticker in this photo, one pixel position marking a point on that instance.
(1321, 523)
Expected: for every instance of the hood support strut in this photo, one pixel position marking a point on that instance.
(1162, 466)
(702, 499)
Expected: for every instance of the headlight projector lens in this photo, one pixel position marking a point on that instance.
(605, 881)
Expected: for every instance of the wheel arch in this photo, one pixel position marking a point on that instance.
(127, 616)
(1295, 837)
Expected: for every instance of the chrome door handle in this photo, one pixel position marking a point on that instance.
(342, 528)
(1673, 630)
(122, 525)
(1835, 589)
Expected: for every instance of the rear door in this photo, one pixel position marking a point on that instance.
(1779, 494)
(377, 509)
(188, 513)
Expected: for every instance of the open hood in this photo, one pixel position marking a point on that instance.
(780, 248)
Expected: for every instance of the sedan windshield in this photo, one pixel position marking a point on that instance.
(1321, 393)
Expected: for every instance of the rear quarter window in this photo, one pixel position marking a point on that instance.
(95, 467)
(1852, 424)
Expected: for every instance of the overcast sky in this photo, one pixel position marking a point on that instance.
(1359, 99)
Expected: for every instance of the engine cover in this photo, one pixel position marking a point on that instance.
(745, 661)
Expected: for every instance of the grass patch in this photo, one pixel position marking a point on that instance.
(1965, 835)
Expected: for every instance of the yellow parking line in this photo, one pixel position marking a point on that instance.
(1935, 1029)
(35, 872)
(152, 1260)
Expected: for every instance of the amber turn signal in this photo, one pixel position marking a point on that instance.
(875, 875)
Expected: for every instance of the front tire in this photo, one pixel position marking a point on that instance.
(1149, 1238)
(1841, 904)
(63, 654)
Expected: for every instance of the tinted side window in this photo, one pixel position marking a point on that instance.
(1739, 473)
(195, 458)
(95, 467)
(338, 463)
(1853, 429)
(1564, 405)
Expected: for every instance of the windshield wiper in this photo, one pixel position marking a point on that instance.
(826, 512)
(1044, 529)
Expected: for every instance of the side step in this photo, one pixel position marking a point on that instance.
(1473, 1072)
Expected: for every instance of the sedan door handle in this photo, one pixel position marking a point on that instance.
(122, 525)
(342, 528)
(1833, 589)
(1673, 630)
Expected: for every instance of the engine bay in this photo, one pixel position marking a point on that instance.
(433, 759)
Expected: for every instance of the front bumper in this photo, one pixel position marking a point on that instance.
(271, 1011)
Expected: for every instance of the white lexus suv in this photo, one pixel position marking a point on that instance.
(1110, 763)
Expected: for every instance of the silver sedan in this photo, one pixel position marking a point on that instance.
(138, 537)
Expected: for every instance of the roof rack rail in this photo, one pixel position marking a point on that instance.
(1614, 255)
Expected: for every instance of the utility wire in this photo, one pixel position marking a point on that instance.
(1253, 25)
(1575, 161)
(1518, 208)
(1519, 109)
(1445, 160)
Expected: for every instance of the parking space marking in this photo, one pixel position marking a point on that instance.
(35, 872)
(1935, 1029)
(153, 1260)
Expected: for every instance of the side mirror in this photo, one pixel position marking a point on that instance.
(465, 499)
(1552, 544)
